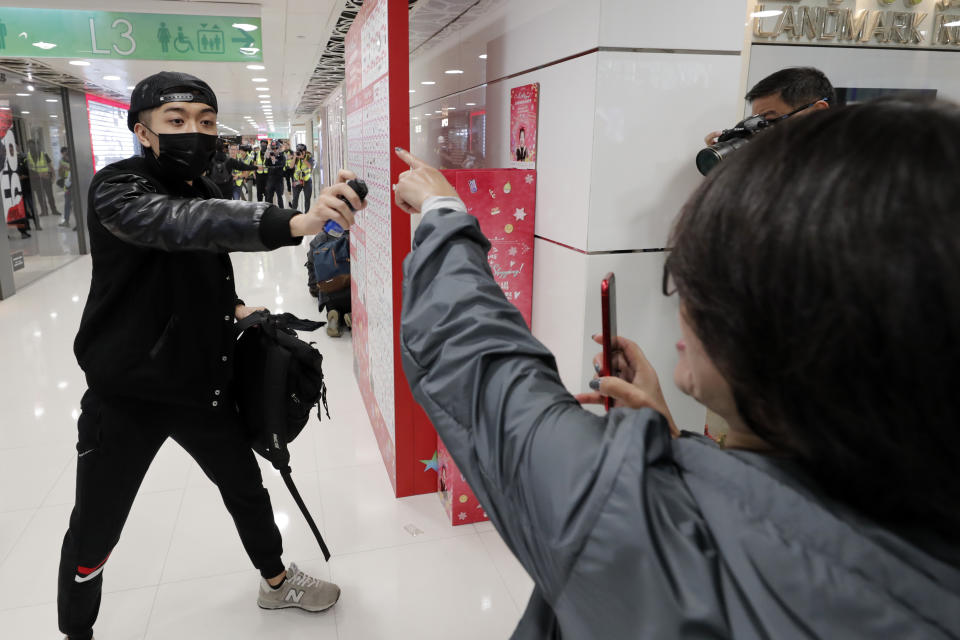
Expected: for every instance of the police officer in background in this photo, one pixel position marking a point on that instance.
(302, 177)
(276, 165)
(41, 177)
(243, 180)
(259, 158)
(156, 342)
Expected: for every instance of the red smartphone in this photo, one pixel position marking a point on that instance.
(608, 314)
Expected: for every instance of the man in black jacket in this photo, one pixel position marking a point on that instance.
(276, 164)
(156, 342)
(222, 167)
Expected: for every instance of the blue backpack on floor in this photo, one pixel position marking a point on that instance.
(330, 256)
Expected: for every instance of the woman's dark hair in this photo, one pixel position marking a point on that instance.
(820, 268)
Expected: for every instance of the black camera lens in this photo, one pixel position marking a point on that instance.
(710, 157)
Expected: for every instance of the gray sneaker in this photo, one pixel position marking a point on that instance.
(333, 324)
(300, 591)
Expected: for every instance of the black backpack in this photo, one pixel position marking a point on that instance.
(219, 173)
(279, 380)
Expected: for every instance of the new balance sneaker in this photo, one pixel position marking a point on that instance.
(300, 591)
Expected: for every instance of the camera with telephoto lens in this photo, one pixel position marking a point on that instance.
(729, 141)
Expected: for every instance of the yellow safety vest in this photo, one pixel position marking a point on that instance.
(38, 166)
(302, 170)
(259, 161)
(290, 159)
(238, 176)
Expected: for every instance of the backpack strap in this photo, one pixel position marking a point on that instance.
(255, 318)
(287, 480)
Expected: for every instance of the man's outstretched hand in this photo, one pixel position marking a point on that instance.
(328, 206)
(419, 183)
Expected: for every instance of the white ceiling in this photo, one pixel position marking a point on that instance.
(294, 34)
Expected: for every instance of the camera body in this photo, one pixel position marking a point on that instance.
(729, 141)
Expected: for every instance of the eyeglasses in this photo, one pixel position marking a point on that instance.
(798, 110)
(668, 286)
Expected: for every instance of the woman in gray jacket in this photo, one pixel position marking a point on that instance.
(818, 272)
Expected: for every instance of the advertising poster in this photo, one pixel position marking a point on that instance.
(524, 110)
(376, 108)
(110, 138)
(11, 193)
(504, 201)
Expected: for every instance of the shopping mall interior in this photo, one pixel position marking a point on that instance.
(580, 123)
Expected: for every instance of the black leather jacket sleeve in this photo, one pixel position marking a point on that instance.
(130, 208)
(234, 164)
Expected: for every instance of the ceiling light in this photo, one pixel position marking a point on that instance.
(955, 23)
(30, 87)
(249, 51)
(437, 111)
(131, 87)
(453, 72)
(80, 63)
(44, 45)
(258, 79)
(471, 104)
(24, 95)
(24, 113)
(243, 26)
(483, 56)
(413, 90)
(111, 77)
(428, 114)
(256, 67)
(53, 115)
(263, 95)
(4, 108)
(451, 108)
(766, 14)
(263, 88)
(428, 83)
(52, 100)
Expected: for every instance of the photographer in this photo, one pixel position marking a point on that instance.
(302, 178)
(785, 91)
(156, 342)
(276, 166)
(818, 285)
(223, 170)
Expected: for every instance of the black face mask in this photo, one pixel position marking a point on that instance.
(183, 155)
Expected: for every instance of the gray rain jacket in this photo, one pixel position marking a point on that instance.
(626, 532)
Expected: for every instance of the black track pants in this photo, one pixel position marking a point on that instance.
(116, 444)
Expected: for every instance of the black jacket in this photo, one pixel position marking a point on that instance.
(158, 324)
(232, 164)
(276, 165)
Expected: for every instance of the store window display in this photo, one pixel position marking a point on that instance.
(38, 201)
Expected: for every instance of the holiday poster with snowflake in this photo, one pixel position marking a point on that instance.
(504, 201)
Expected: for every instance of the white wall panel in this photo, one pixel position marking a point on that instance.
(674, 24)
(515, 36)
(652, 113)
(645, 316)
(559, 292)
(565, 143)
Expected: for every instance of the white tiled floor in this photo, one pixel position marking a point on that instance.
(179, 571)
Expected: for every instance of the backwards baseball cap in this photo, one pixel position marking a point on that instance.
(168, 86)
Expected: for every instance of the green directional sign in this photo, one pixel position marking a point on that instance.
(55, 33)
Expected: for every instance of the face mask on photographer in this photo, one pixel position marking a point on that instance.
(183, 155)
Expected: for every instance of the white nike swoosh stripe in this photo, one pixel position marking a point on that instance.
(86, 452)
(89, 577)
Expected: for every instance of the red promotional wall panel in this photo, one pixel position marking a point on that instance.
(377, 79)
